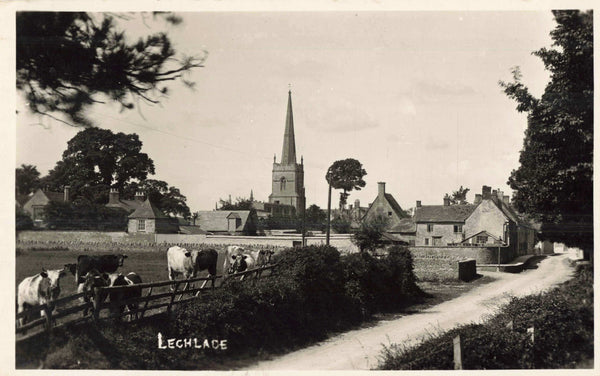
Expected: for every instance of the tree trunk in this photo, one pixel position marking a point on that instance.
(328, 215)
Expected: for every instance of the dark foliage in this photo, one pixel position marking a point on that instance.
(84, 215)
(66, 59)
(564, 334)
(554, 182)
(347, 175)
(168, 199)
(368, 236)
(27, 179)
(22, 220)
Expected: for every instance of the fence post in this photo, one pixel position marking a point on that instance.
(146, 304)
(48, 314)
(457, 353)
(97, 303)
(172, 297)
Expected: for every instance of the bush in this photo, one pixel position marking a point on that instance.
(564, 327)
(381, 284)
(22, 220)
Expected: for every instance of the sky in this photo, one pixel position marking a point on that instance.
(413, 95)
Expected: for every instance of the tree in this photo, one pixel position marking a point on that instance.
(315, 218)
(368, 236)
(458, 197)
(240, 204)
(97, 160)
(346, 174)
(27, 179)
(554, 182)
(66, 60)
(168, 199)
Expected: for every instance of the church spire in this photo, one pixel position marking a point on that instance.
(288, 153)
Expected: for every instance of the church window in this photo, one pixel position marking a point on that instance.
(282, 184)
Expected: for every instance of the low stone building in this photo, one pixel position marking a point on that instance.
(227, 222)
(489, 221)
(147, 218)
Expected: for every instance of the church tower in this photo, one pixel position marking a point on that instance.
(288, 176)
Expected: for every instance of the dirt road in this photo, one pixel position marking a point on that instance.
(359, 349)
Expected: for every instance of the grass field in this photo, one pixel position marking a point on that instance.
(150, 266)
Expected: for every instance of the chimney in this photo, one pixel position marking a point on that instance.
(67, 193)
(381, 188)
(506, 199)
(357, 204)
(495, 196)
(500, 194)
(486, 192)
(139, 196)
(446, 200)
(418, 203)
(113, 196)
(477, 199)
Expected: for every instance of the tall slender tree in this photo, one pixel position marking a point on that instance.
(347, 175)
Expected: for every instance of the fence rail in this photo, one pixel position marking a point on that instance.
(152, 302)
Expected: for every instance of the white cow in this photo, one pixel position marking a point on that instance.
(180, 261)
(43, 288)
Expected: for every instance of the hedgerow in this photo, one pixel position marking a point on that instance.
(563, 334)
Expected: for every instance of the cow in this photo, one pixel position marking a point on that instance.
(189, 263)
(40, 289)
(103, 264)
(239, 264)
(92, 280)
(231, 251)
(264, 257)
(115, 297)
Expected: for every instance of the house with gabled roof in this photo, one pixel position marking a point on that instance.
(37, 202)
(114, 201)
(147, 218)
(440, 224)
(489, 221)
(386, 206)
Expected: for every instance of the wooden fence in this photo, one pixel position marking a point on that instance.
(156, 297)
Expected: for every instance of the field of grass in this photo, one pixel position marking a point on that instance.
(150, 266)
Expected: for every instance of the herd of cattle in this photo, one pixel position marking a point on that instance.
(93, 272)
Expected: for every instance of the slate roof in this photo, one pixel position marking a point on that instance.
(147, 210)
(216, 220)
(406, 225)
(481, 233)
(192, 230)
(395, 206)
(443, 213)
(55, 196)
(129, 205)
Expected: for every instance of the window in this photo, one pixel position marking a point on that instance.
(426, 241)
(38, 212)
(437, 240)
(389, 214)
(458, 228)
(430, 228)
(482, 239)
(282, 184)
(141, 225)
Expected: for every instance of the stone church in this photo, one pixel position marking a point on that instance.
(288, 176)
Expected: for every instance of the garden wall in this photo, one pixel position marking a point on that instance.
(116, 241)
(440, 263)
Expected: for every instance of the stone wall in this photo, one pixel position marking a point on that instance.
(441, 263)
